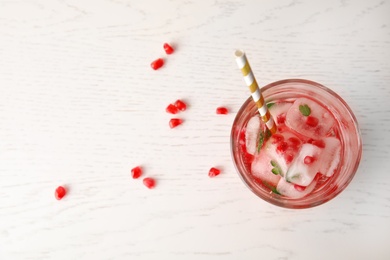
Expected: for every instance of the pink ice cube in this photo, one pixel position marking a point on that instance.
(252, 134)
(289, 189)
(278, 111)
(330, 156)
(262, 169)
(313, 159)
(301, 171)
(282, 148)
(315, 124)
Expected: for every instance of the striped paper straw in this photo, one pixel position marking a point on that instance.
(250, 81)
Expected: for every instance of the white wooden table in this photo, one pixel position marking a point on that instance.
(80, 106)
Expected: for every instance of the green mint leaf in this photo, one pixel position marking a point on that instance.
(269, 105)
(275, 171)
(267, 134)
(305, 110)
(296, 176)
(261, 141)
(269, 186)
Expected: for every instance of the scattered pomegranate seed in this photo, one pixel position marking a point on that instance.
(312, 121)
(149, 183)
(308, 160)
(172, 109)
(299, 187)
(175, 122)
(157, 64)
(168, 48)
(277, 138)
(281, 118)
(60, 192)
(180, 105)
(318, 143)
(136, 172)
(222, 110)
(214, 172)
(281, 148)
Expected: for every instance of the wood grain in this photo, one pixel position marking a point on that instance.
(80, 106)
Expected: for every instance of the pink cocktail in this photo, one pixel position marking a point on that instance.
(314, 154)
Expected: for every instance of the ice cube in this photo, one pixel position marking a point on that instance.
(287, 189)
(314, 125)
(252, 134)
(330, 156)
(262, 169)
(302, 173)
(325, 161)
(282, 148)
(279, 110)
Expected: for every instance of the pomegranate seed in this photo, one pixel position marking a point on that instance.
(175, 122)
(60, 192)
(248, 158)
(180, 105)
(172, 109)
(281, 118)
(149, 183)
(299, 187)
(289, 158)
(281, 148)
(312, 121)
(214, 172)
(308, 160)
(294, 141)
(318, 143)
(222, 110)
(157, 64)
(168, 48)
(278, 138)
(136, 172)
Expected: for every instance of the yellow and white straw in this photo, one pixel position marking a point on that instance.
(250, 81)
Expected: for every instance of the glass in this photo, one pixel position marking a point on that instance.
(350, 138)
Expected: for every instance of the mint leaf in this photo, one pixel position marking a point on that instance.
(261, 141)
(269, 105)
(295, 176)
(305, 110)
(275, 171)
(273, 189)
(267, 134)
